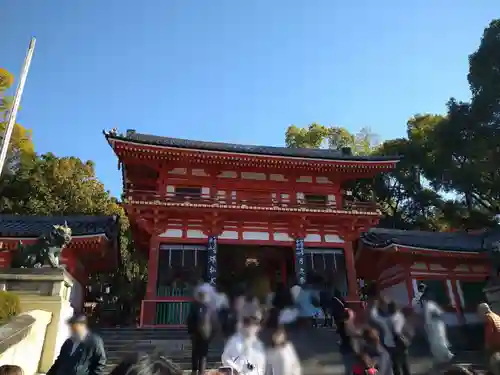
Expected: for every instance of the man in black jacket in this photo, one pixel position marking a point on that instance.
(201, 325)
(81, 354)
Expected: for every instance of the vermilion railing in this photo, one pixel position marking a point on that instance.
(283, 200)
(166, 311)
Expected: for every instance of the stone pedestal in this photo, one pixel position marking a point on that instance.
(45, 289)
(493, 296)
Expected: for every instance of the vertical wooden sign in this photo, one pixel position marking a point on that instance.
(212, 260)
(300, 267)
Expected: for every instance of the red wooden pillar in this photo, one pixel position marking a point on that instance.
(149, 308)
(154, 252)
(350, 265)
(458, 301)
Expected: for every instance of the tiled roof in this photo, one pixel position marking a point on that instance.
(307, 153)
(492, 239)
(34, 226)
(449, 241)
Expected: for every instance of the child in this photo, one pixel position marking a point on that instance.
(372, 357)
(281, 357)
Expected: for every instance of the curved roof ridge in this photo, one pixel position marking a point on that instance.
(308, 153)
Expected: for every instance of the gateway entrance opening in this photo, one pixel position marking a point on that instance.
(258, 267)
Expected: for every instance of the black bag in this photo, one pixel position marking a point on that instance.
(204, 322)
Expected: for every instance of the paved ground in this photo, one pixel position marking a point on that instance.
(323, 365)
(317, 348)
(318, 351)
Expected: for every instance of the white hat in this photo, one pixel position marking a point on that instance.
(483, 308)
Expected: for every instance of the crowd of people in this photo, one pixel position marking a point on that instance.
(374, 342)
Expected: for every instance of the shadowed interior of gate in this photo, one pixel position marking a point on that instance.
(258, 268)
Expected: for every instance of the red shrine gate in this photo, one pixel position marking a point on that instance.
(214, 209)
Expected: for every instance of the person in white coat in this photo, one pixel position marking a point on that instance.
(282, 358)
(244, 353)
(435, 328)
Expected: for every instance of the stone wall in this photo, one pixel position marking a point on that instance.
(22, 340)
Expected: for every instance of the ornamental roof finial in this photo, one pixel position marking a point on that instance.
(112, 132)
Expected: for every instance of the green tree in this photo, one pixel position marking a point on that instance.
(462, 148)
(332, 137)
(68, 186)
(312, 136)
(448, 176)
(21, 149)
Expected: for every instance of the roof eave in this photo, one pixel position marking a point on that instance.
(389, 161)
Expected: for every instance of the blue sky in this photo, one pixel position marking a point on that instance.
(233, 70)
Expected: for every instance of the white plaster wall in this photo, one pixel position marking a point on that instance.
(311, 237)
(397, 293)
(198, 172)
(264, 236)
(178, 171)
(331, 200)
(229, 235)
(195, 233)
(333, 238)
(228, 174)
(307, 179)
(253, 176)
(282, 237)
(277, 177)
(450, 318)
(323, 180)
(175, 233)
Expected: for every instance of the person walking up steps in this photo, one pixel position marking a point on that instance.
(201, 324)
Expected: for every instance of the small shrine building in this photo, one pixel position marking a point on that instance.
(93, 248)
(232, 213)
(454, 265)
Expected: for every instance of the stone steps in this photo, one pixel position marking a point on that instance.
(120, 342)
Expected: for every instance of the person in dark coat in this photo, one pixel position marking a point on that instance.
(201, 325)
(337, 306)
(282, 299)
(82, 354)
